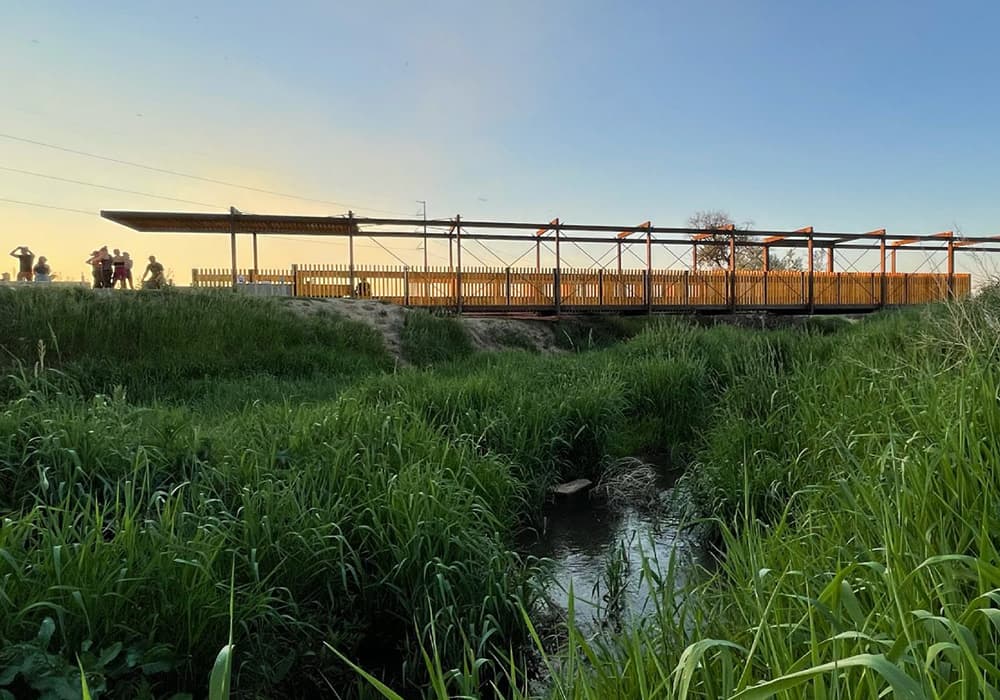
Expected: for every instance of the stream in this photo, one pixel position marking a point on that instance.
(615, 561)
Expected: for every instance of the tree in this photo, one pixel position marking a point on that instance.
(719, 229)
(713, 251)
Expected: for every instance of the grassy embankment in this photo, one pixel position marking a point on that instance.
(374, 512)
(858, 499)
(158, 447)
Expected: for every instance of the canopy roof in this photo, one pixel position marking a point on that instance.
(182, 222)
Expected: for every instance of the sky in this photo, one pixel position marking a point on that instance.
(846, 116)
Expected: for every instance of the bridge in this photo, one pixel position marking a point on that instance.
(606, 285)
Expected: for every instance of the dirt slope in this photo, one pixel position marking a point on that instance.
(388, 319)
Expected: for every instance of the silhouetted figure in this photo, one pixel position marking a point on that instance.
(155, 272)
(107, 268)
(43, 273)
(128, 268)
(27, 259)
(118, 269)
(95, 267)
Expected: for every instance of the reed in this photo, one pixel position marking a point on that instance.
(854, 501)
(285, 481)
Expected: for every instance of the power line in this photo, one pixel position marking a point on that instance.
(190, 176)
(109, 187)
(319, 240)
(47, 206)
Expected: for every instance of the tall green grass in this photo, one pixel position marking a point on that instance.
(429, 339)
(857, 501)
(347, 526)
(324, 507)
(168, 344)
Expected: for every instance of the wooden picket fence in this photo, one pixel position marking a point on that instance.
(488, 288)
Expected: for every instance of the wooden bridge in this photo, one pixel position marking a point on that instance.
(491, 290)
(604, 286)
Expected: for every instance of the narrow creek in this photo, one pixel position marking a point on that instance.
(615, 560)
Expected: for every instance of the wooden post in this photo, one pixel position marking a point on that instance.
(600, 287)
(232, 242)
(883, 291)
(619, 243)
(556, 291)
(647, 289)
(951, 269)
(508, 287)
(731, 276)
(558, 261)
(765, 268)
(538, 255)
(893, 258)
(255, 270)
(350, 251)
(406, 285)
(295, 280)
(829, 258)
(458, 270)
(812, 275)
(694, 257)
(687, 288)
(649, 269)
(649, 251)
(194, 276)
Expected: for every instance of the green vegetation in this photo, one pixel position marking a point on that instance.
(597, 330)
(162, 345)
(282, 496)
(429, 339)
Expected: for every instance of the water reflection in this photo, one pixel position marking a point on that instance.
(616, 562)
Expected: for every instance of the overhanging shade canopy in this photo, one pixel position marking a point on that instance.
(171, 222)
(236, 222)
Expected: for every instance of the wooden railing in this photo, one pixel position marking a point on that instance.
(482, 288)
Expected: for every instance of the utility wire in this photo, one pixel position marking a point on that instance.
(109, 187)
(48, 206)
(190, 176)
(401, 261)
(319, 240)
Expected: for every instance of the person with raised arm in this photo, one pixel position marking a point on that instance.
(27, 260)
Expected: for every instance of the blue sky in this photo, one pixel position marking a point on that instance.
(844, 116)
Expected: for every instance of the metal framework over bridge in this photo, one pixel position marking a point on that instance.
(595, 288)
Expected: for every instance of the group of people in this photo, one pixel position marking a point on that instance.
(28, 270)
(115, 268)
(109, 269)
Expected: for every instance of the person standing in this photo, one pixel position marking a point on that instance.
(118, 269)
(27, 259)
(43, 273)
(128, 268)
(106, 268)
(95, 267)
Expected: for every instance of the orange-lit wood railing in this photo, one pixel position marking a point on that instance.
(481, 288)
